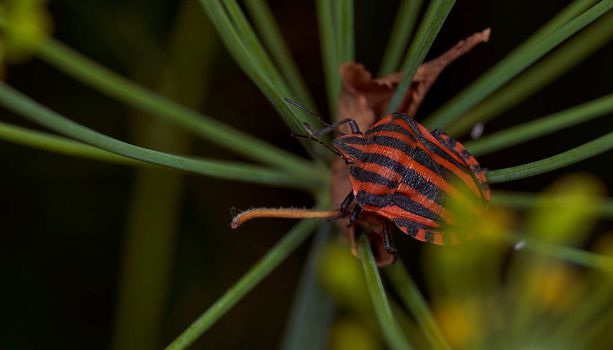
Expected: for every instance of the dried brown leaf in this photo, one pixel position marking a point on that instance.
(428, 72)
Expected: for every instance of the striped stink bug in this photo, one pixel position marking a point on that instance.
(404, 173)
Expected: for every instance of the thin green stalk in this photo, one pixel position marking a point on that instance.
(408, 291)
(240, 40)
(337, 13)
(574, 255)
(523, 200)
(544, 72)
(346, 31)
(406, 17)
(155, 199)
(114, 85)
(516, 62)
(313, 307)
(568, 13)
(263, 69)
(433, 20)
(577, 154)
(253, 47)
(37, 113)
(394, 337)
(62, 145)
(329, 52)
(542, 126)
(252, 278)
(273, 39)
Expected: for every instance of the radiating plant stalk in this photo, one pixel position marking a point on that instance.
(264, 56)
(155, 200)
(541, 126)
(391, 332)
(37, 113)
(542, 73)
(400, 35)
(431, 24)
(137, 96)
(261, 269)
(585, 151)
(516, 62)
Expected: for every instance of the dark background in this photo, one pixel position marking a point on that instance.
(62, 219)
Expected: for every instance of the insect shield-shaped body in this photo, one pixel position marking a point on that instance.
(401, 171)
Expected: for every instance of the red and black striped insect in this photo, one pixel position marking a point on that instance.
(404, 173)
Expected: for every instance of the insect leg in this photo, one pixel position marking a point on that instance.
(354, 126)
(387, 238)
(346, 202)
(352, 123)
(354, 214)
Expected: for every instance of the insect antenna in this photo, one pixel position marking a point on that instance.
(314, 135)
(311, 136)
(303, 107)
(306, 109)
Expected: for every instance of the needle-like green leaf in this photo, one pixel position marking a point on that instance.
(570, 254)
(53, 143)
(346, 31)
(137, 96)
(524, 200)
(241, 41)
(541, 126)
(534, 79)
(406, 17)
(415, 302)
(577, 154)
(431, 24)
(31, 110)
(252, 278)
(272, 37)
(329, 52)
(515, 63)
(394, 337)
(313, 306)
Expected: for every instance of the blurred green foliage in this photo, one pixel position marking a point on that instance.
(491, 293)
(527, 280)
(24, 25)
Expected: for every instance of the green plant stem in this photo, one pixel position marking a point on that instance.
(543, 73)
(568, 13)
(253, 277)
(62, 145)
(313, 307)
(516, 62)
(574, 255)
(524, 200)
(433, 20)
(37, 113)
(137, 96)
(329, 52)
(415, 302)
(404, 23)
(541, 126)
(346, 31)
(577, 154)
(273, 39)
(252, 45)
(394, 337)
(240, 39)
(155, 199)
